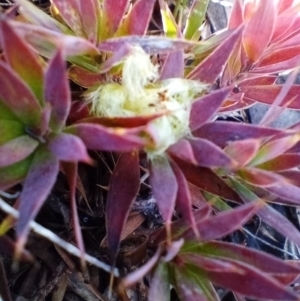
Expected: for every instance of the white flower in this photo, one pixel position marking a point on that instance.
(141, 93)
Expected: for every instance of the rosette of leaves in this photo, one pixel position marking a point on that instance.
(35, 103)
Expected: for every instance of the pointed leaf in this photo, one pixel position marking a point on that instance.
(183, 150)
(261, 178)
(259, 29)
(216, 60)
(208, 154)
(123, 188)
(37, 185)
(282, 162)
(222, 132)
(204, 108)
(98, 137)
(69, 11)
(16, 150)
(46, 41)
(134, 24)
(37, 16)
(85, 78)
(57, 91)
(195, 18)
(243, 151)
(112, 15)
(219, 249)
(18, 98)
(173, 65)
(151, 44)
(258, 93)
(207, 180)
(224, 223)
(68, 148)
(29, 69)
(236, 16)
(290, 194)
(274, 148)
(90, 16)
(164, 186)
(242, 278)
(184, 200)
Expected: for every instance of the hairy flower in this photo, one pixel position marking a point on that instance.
(141, 93)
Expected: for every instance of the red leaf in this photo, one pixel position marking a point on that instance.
(210, 155)
(184, 200)
(16, 150)
(173, 65)
(57, 91)
(123, 188)
(89, 13)
(216, 60)
(265, 262)
(224, 223)
(274, 148)
(204, 108)
(258, 93)
(99, 137)
(113, 13)
(134, 24)
(164, 186)
(290, 194)
(260, 177)
(29, 69)
(236, 16)
(207, 180)
(259, 30)
(69, 11)
(222, 132)
(68, 148)
(243, 151)
(18, 97)
(183, 150)
(282, 162)
(241, 278)
(37, 185)
(37, 16)
(85, 78)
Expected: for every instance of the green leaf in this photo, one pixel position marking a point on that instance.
(10, 129)
(13, 174)
(123, 189)
(195, 18)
